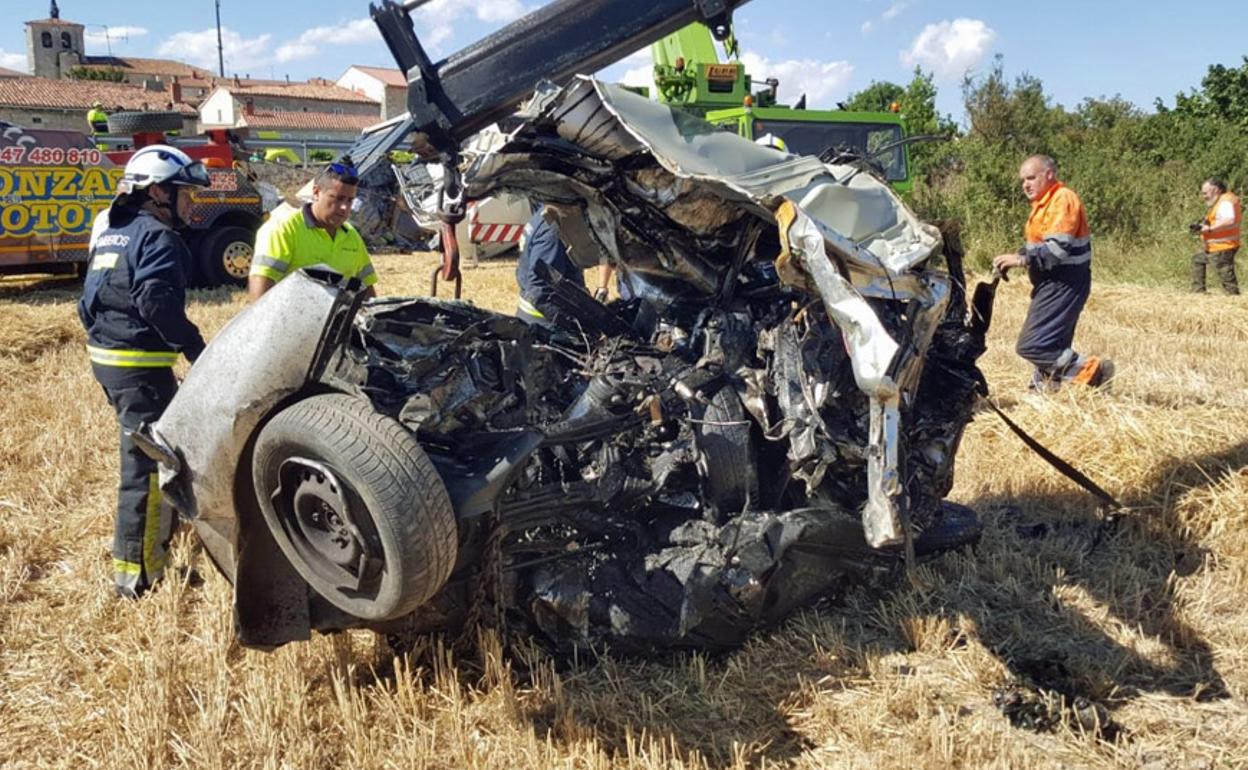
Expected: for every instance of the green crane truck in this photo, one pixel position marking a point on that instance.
(689, 74)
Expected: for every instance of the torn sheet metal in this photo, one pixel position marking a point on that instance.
(775, 410)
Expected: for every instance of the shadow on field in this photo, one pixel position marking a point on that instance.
(50, 289)
(1043, 591)
(1044, 563)
(62, 288)
(1125, 568)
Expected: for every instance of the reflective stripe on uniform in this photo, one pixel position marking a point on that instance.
(280, 265)
(1064, 248)
(367, 273)
(149, 359)
(104, 260)
(530, 309)
(156, 528)
(127, 574)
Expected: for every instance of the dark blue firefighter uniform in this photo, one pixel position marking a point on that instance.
(542, 244)
(133, 307)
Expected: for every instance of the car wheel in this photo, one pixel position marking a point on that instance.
(728, 465)
(224, 256)
(355, 505)
(144, 122)
(952, 527)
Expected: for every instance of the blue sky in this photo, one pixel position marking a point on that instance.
(1141, 49)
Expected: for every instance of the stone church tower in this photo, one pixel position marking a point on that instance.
(53, 47)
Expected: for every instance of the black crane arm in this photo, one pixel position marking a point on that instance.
(452, 99)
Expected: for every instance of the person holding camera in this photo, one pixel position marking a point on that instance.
(1219, 235)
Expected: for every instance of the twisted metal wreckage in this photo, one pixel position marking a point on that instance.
(776, 413)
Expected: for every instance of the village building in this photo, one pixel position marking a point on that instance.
(387, 87)
(37, 102)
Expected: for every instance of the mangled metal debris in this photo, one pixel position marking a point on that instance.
(775, 413)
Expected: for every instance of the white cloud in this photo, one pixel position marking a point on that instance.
(310, 42)
(498, 10)
(950, 48)
(102, 37)
(893, 10)
(639, 76)
(242, 55)
(13, 61)
(823, 82)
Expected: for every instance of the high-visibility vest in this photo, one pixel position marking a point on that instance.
(1057, 230)
(1226, 237)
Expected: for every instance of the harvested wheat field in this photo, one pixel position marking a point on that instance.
(1047, 646)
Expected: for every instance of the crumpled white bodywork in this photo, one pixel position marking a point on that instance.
(846, 235)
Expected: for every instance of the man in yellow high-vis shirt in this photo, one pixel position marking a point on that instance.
(315, 234)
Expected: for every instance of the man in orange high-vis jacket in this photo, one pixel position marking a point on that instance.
(1219, 235)
(1058, 258)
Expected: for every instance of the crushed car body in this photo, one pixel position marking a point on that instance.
(775, 412)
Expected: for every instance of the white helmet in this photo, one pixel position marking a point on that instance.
(160, 164)
(772, 141)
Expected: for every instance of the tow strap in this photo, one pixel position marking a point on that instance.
(1062, 467)
(978, 321)
(1110, 508)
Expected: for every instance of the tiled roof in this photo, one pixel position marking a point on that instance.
(79, 94)
(326, 121)
(390, 77)
(146, 66)
(321, 91)
(8, 73)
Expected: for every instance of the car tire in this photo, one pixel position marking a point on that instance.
(223, 256)
(341, 484)
(953, 526)
(730, 477)
(144, 122)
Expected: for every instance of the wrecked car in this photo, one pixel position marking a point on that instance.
(776, 411)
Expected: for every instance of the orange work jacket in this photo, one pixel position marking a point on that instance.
(1057, 230)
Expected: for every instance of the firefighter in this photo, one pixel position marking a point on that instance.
(315, 234)
(133, 307)
(540, 244)
(1058, 258)
(97, 118)
(1219, 234)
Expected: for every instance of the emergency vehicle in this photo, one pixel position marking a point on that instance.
(54, 182)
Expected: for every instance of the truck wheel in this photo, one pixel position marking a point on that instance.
(224, 256)
(144, 122)
(355, 505)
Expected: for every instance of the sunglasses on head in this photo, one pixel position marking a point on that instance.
(344, 169)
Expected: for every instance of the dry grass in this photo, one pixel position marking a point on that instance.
(1153, 622)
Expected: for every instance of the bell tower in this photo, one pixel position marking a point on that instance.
(53, 46)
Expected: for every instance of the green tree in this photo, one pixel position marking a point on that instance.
(110, 75)
(917, 104)
(875, 98)
(1223, 94)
